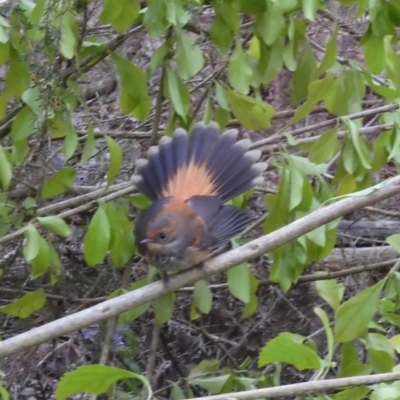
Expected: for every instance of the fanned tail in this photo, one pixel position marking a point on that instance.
(203, 164)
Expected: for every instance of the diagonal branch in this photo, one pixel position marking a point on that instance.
(249, 251)
(306, 387)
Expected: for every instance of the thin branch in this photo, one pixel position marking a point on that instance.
(155, 340)
(307, 387)
(86, 64)
(112, 325)
(18, 292)
(383, 212)
(318, 276)
(69, 213)
(247, 252)
(158, 107)
(334, 121)
(366, 130)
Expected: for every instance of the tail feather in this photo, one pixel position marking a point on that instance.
(228, 223)
(205, 164)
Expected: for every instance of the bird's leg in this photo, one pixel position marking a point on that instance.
(165, 278)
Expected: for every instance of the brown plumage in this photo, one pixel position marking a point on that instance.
(189, 178)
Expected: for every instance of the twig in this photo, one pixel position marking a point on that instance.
(307, 387)
(157, 111)
(86, 64)
(318, 276)
(364, 130)
(93, 300)
(70, 213)
(247, 252)
(155, 340)
(383, 212)
(278, 136)
(112, 324)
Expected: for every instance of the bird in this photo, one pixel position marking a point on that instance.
(189, 177)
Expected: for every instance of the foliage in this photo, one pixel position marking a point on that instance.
(47, 51)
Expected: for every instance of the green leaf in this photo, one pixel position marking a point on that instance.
(33, 98)
(58, 183)
(189, 57)
(177, 393)
(17, 76)
(4, 393)
(41, 262)
(159, 55)
(394, 342)
(240, 73)
(120, 14)
(395, 142)
(115, 160)
(70, 143)
(90, 145)
(177, 14)
(251, 306)
(269, 25)
(4, 52)
(95, 379)
(239, 282)
(205, 367)
(380, 353)
(133, 99)
(297, 180)
(164, 308)
(307, 167)
(310, 8)
(26, 305)
(349, 157)
(356, 393)
(23, 124)
(31, 249)
(317, 91)
(252, 7)
(325, 147)
(154, 18)
(328, 331)
(5, 168)
(251, 113)
(122, 242)
(394, 241)
(354, 315)
(55, 225)
(69, 34)
(226, 22)
(329, 59)
(97, 238)
(289, 348)
(301, 78)
(374, 54)
(358, 143)
(140, 201)
(213, 384)
(349, 363)
(202, 299)
(178, 93)
(331, 291)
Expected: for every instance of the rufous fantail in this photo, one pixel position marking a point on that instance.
(189, 178)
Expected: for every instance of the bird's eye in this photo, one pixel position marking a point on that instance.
(162, 236)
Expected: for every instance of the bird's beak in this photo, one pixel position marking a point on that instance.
(147, 240)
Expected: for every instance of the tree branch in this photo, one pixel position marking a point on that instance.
(249, 251)
(307, 387)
